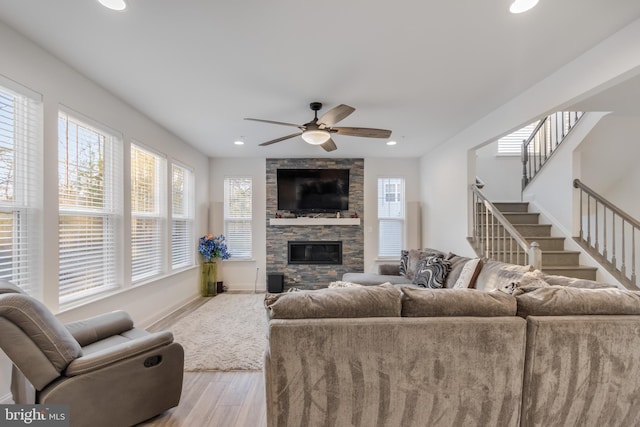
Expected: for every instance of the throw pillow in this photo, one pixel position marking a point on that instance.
(469, 273)
(417, 255)
(457, 263)
(404, 259)
(432, 272)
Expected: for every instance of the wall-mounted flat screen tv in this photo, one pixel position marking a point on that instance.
(313, 190)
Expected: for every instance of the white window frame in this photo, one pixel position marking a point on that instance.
(182, 218)
(89, 266)
(391, 214)
(240, 247)
(21, 139)
(148, 248)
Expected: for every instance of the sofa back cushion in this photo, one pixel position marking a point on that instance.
(362, 301)
(567, 301)
(456, 302)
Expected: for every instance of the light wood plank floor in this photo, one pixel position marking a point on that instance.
(226, 399)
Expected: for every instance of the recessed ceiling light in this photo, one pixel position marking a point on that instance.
(114, 4)
(391, 143)
(238, 142)
(519, 6)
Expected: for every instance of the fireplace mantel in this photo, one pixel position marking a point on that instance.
(314, 221)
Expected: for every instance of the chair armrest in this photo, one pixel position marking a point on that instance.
(99, 327)
(118, 352)
(389, 269)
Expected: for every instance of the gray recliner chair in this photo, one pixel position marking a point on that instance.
(108, 372)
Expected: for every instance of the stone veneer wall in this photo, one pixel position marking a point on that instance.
(315, 276)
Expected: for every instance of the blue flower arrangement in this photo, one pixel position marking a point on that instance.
(213, 247)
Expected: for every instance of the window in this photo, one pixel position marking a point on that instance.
(20, 186)
(182, 240)
(511, 145)
(237, 216)
(148, 185)
(391, 212)
(89, 194)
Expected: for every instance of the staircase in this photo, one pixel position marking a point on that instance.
(555, 259)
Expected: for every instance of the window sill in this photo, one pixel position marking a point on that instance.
(90, 299)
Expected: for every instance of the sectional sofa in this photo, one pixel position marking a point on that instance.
(530, 352)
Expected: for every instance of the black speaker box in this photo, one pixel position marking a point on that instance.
(275, 283)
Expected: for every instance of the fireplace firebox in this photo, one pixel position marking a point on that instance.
(316, 252)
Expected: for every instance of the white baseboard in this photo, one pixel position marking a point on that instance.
(159, 315)
(7, 399)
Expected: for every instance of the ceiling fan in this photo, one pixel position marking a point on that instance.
(318, 131)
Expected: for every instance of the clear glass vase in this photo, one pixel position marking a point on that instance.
(208, 279)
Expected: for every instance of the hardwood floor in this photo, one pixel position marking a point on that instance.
(226, 399)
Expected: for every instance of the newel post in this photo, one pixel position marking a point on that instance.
(535, 256)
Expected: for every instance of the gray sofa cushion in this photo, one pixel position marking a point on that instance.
(574, 283)
(363, 301)
(456, 302)
(567, 301)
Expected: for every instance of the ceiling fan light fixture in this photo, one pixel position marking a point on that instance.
(316, 136)
(114, 4)
(519, 6)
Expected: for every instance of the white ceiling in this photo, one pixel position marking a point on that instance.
(425, 70)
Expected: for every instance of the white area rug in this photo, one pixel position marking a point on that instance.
(227, 333)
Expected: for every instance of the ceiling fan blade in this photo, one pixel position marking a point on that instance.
(274, 123)
(364, 132)
(273, 141)
(336, 114)
(329, 145)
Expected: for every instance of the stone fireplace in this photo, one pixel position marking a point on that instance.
(322, 231)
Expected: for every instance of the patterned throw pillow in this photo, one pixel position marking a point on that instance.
(469, 273)
(404, 259)
(432, 272)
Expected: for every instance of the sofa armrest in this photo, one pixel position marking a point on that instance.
(118, 352)
(99, 327)
(389, 269)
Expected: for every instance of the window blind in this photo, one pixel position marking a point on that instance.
(182, 201)
(89, 194)
(391, 216)
(20, 186)
(238, 216)
(147, 213)
(511, 145)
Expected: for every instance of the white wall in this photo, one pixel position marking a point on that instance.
(29, 65)
(610, 157)
(501, 174)
(241, 275)
(449, 170)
